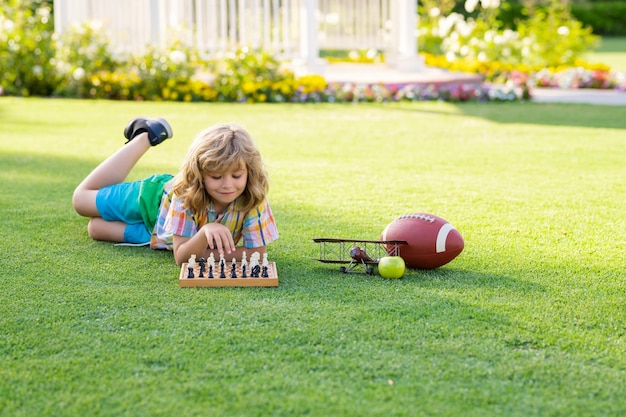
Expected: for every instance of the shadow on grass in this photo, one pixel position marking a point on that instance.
(447, 277)
(549, 114)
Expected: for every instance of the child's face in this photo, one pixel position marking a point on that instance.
(225, 187)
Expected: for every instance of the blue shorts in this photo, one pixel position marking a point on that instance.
(119, 202)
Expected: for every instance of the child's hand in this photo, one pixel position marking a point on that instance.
(218, 237)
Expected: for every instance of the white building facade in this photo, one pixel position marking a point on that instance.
(291, 29)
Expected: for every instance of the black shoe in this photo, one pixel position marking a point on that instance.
(158, 129)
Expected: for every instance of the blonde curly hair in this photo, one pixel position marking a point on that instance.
(220, 148)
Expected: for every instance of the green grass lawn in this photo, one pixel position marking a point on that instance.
(530, 320)
(612, 52)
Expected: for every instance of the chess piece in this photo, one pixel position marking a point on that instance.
(222, 266)
(266, 263)
(190, 272)
(244, 265)
(192, 261)
(211, 262)
(256, 269)
(254, 265)
(233, 269)
(202, 263)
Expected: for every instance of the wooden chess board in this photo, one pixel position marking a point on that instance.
(270, 281)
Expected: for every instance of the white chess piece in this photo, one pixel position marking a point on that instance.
(254, 259)
(191, 263)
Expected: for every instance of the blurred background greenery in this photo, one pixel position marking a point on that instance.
(517, 44)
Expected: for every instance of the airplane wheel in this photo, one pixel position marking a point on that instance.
(343, 269)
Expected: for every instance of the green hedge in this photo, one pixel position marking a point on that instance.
(606, 17)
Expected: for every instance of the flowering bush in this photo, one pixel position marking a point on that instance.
(548, 37)
(177, 73)
(26, 48)
(168, 74)
(80, 63)
(580, 75)
(386, 93)
(251, 76)
(82, 54)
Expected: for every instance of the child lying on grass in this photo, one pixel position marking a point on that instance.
(217, 198)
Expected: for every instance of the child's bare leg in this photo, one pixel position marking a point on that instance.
(100, 229)
(141, 134)
(113, 170)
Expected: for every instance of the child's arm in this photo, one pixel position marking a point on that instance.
(212, 237)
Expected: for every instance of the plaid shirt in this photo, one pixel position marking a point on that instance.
(256, 227)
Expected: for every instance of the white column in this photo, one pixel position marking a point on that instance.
(60, 16)
(155, 21)
(69, 12)
(404, 55)
(310, 62)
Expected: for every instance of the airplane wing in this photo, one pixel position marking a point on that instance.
(333, 250)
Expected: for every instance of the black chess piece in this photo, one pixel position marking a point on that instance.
(233, 270)
(190, 272)
(243, 271)
(202, 263)
(264, 273)
(255, 271)
(210, 275)
(222, 274)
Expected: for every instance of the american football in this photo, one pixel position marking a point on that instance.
(432, 241)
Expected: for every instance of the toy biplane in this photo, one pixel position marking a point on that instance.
(357, 253)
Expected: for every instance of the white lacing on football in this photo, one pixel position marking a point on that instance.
(420, 216)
